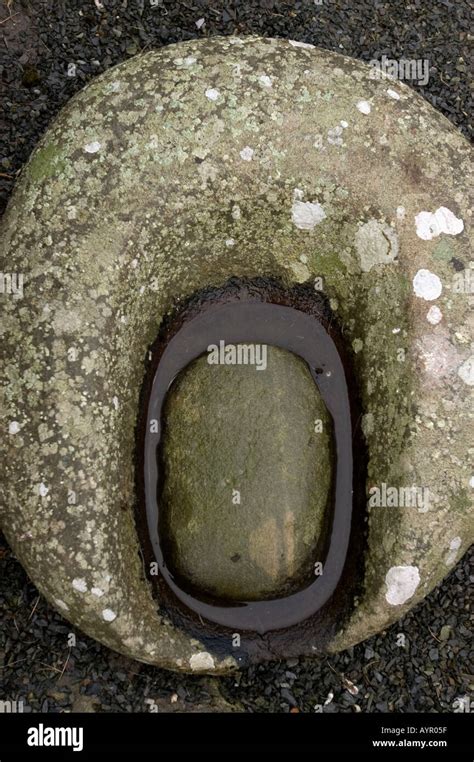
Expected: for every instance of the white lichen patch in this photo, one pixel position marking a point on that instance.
(299, 271)
(466, 371)
(427, 285)
(108, 615)
(115, 402)
(112, 87)
(230, 242)
(212, 94)
(97, 591)
(93, 147)
(430, 225)
(188, 61)
(376, 244)
(201, 661)
(401, 582)
(265, 80)
(60, 604)
(297, 44)
(363, 106)
(207, 173)
(434, 315)
(43, 490)
(13, 427)
(79, 584)
(393, 94)
(454, 546)
(401, 212)
(247, 153)
(437, 357)
(334, 135)
(306, 215)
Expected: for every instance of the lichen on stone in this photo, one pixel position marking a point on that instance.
(166, 190)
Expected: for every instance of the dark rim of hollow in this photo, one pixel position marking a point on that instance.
(192, 611)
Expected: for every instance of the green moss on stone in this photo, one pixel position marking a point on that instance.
(46, 162)
(247, 476)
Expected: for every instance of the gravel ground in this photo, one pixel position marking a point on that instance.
(39, 41)
(426, 674)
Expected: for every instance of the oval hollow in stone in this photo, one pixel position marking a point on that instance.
(247, 474)
(304, 335)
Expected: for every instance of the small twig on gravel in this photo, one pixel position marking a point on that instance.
(334, 670)
(34, 608)
(434, 636)
(12, 663)
(11, 16)
(65, 665)
(43, 43)
(364, 671)
(49, 666)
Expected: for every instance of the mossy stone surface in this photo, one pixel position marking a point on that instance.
(247, 459)
(176, 171)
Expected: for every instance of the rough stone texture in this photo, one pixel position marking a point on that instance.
(128, 203)
(247, 476)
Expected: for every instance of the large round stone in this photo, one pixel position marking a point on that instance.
(174, 172)
(247, 458)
